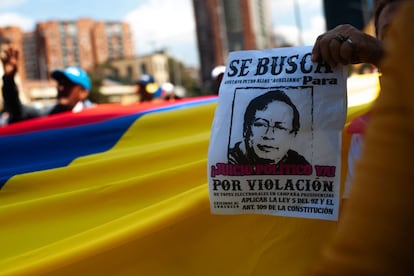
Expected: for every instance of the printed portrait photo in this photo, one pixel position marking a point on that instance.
(271, 126)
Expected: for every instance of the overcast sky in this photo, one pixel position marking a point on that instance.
(159, 23)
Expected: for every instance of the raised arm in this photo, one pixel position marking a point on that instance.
(10, 92)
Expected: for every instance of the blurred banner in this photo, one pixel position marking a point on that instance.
(122, 190)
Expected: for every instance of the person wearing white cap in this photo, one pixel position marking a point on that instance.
(73, 86)
(217, 75)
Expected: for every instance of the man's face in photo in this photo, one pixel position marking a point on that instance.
(271, 131)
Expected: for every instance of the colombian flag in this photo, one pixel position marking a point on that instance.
(122, 190)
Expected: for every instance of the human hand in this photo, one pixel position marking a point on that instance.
(347, 45)
(9, 58)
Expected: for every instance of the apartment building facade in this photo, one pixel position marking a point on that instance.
(58, 44)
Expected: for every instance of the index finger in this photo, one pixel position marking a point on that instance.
(316, 51)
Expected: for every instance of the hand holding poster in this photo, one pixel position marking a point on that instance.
(275, 144)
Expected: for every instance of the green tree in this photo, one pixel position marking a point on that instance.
(97, 75)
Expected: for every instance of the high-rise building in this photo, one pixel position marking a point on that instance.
(31, 59)
(59, 44)
(111, 40)
(83, 42)
(65, 43)
(229, 25)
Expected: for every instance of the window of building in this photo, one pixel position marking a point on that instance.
(143, 68)
(129, 72)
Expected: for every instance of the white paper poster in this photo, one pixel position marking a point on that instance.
(275, 144)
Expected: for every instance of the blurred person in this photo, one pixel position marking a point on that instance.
(172, 92)
(168, 91)
(147, 89)
(375, 234)
(180, 92)
(217, 75)
(73, 86)
(271, 121)
(345, 45)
